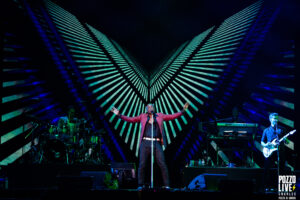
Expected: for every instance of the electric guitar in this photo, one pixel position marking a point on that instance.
(267, 151)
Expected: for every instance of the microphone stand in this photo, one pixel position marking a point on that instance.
(278, 164)
(152, 156)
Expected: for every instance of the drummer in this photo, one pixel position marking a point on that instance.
(68, 125)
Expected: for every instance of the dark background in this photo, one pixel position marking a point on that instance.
(150, 30)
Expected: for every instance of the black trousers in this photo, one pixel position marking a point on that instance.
(269, 180)
(159, 158)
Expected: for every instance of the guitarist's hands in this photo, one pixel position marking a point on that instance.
(269, 145)
(272, 144)
(275, 142)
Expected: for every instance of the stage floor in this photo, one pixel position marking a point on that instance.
(66, 181)
(131, 194)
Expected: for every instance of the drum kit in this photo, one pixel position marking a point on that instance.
(73, 143)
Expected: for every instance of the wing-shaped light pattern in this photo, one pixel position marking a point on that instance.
(142, 75)
(124, 96)
(113, 79)
(131, 71)
(217, 53)
(160, 70)
(174, 95)
(196, 70)
(190, 74)
(212, 63)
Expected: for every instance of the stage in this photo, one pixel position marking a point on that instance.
(91, 181)
(128, 194)
(86, 86)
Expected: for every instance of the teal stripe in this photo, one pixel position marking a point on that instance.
(97, 70)
(186, 99)
(112, 96)
(214, 55)
(100, 75)
(204, 68)
(106, 85)
(180, 103)
(80, 44)
(129, 113)
(137, 112)
(108, 91)
(166, 129)
(193, 88)
(83, 48)
(202, 73)
(13, 83)
(203, 49)
(172, 111)
(14, 97)
(103, 80)
(12, 134)
(170, 122)
(206, 60)
(124, 110)
(72, 37)
(102, 55)
(200, 78)
(227, 39)
(102, 66)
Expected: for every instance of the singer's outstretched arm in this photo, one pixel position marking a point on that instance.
(176, 115)
(126, 118)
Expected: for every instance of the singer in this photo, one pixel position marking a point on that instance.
(151, 133)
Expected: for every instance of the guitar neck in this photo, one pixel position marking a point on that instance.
(285, 136)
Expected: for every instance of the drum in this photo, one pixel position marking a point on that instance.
(69, 134)
(55, 151)
(94, 140)
(73, 128)
(90, 144)
(67, 139)
(53, 131)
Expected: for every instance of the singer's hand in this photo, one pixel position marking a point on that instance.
(186, 105)
(115, 110)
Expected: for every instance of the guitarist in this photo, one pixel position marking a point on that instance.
(269, 134)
